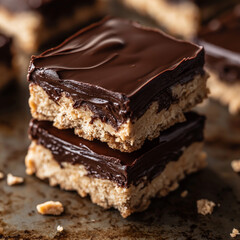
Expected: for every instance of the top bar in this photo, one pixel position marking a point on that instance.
(116, 76)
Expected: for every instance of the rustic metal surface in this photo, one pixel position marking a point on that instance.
(171, 217)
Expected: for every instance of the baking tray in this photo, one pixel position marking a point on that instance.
(172, 217)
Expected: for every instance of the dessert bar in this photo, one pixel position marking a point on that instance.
(118, 82)
(125, 181)
(221, 38)
(179, 17)
(34, 23)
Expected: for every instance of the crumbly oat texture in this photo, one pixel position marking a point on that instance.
(59, 228)
(106, 193)
(205, 206)
(30, 30)
(184, 194)
(235, 165)
(50, 208)
(179, 19)
(1, 175)
(227, 94)
(13, 180)
(234, 233)
(130, 136)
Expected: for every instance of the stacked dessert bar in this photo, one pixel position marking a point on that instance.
(109, 107)
(221, 39)
(33, 23)
(179, 17)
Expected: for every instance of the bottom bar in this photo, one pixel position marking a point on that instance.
(125, 181)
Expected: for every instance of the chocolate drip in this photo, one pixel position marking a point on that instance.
(117, 68)
(5, 50)
(123, 168)
(221, 38)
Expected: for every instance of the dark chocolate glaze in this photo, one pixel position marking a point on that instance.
(221, 40)
(117, 68)
(5, 50)
(123, 168)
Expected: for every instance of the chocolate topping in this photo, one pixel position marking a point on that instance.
(5, 50)
(117, 68)
(123, 168)
(221, 40)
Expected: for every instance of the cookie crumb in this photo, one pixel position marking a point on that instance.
(205, 206)
(50, 208)
(13, 180)
(234, 233)
(235, 165)
(184, 194)
(60, 228)
(1, 175)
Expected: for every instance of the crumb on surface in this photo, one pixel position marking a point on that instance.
(50, 208)
(59, 228)
(1, 175)
(205, 206)
(234, 233)
(13, 180)
(235, 165)
(184, 194)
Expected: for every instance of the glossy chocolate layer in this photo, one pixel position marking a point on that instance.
(5, 50)
(123, 168)
(221, 40)
(117, 68)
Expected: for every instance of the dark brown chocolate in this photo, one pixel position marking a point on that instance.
(123, 168)
(221, 40)
(117, 68)
(5, 50)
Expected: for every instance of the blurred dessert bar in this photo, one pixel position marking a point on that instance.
(34, 23)
(125, 181)
(6, 62)
(179, 17)
(118, 82)
(221, 40)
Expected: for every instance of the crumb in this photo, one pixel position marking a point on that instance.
(184, 194)
(50, 208)
(205, 206)
(13, 180)
(235, 165)
(59, 228)
(234, 233)
(1, 175)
